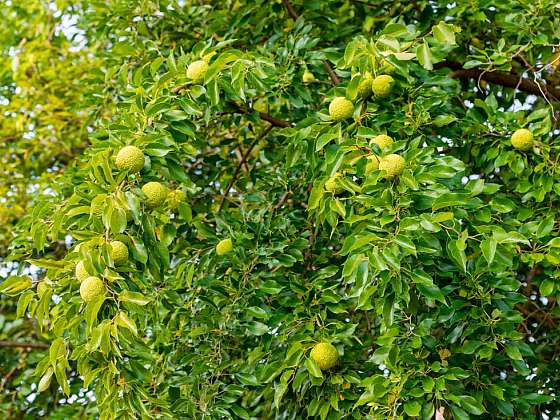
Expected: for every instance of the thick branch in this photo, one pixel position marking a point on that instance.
(501, 78)
(24, 345)
(243, 161)
(274, 121)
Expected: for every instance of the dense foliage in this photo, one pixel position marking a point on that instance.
(203, 216)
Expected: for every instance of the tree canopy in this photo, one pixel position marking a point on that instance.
(280, 209)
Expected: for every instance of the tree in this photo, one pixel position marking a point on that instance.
(341, 209)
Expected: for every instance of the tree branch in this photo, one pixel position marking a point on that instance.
(293, 14)
(501, 78)
(24, 345)
(334, 78)
(291, 11)
(243, 161)
(274, 121)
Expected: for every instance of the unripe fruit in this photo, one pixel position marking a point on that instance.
(382, 85)
(119, 252)
(81, 272)
(330, 184)
(308, 77)
(325, 355)
(197, 70)
(224, 246)
(156, 194)
(174, 198)
(392, 165)
(382, 140)
(341, 109)
(372, 164)
(130, 158)
(522, 139)
(364, 87)
(91, 288)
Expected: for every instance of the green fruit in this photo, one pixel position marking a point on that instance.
(331, 184)
(156, 194)
(325, 355)
(224, 246)
(81, 272)
(522, 139)
(197, 70)
(383, 140)
(119, 252)
(308, 77)
(91, 288)
(130, 158)
(364, 87)
(174, 198)
(382, 85)
(392, 165)
(372, 164)
(341, 109)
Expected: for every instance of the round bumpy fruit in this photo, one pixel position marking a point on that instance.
(331, 185)
(156, 194)
(393, 165)
(224, 246)
(119, 252)
(382, 85)
(197, 70)
(364, 87)
(341, 109)
(81, 272)
(522, 139)
(325, 355)
(382, 140)
(174, 198)
(91, 288)
(308, 77)
(130, 158)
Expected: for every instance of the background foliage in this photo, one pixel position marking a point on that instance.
(438, 289)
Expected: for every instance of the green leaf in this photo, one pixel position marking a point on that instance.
(547, 287)
(488, 248)
(412, 408)
(133, 297)
(444, 33)
(424, 55)
(312, 368)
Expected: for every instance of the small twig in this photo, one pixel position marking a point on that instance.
(293, 14)
(334, 78)
(24, 345)
(243, 160)
(291, 11)
(283, 200)
(274, 121)
(239, 154)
